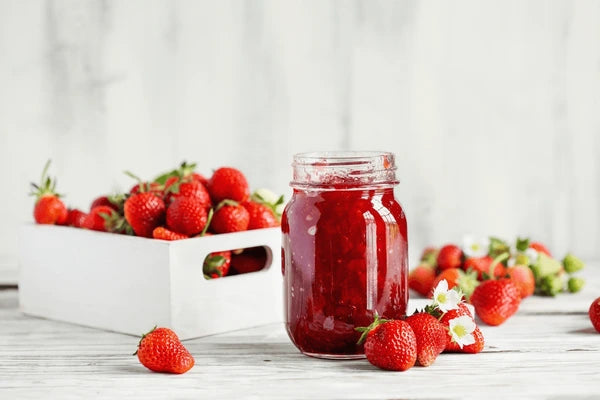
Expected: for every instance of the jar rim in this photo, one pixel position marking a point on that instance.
(350, 169)
(341, 157)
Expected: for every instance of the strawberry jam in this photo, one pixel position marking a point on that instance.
(344, 250)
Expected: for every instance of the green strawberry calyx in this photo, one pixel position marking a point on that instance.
(269, 199)
(47, 185)
(366, 329)
(143, 337)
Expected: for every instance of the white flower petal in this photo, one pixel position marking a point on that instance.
(461, 330)
(475, 246)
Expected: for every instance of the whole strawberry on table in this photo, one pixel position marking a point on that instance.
(495, 275)
(176, 205)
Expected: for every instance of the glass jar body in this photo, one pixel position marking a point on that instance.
(344, 257)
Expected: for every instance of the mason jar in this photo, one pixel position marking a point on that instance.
(344, 250)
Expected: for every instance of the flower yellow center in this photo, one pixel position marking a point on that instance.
(441, 298)
(459, 330)
(475, 247)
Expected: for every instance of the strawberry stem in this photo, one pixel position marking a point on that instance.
(500, 258)
(142, 338)
(366, 329)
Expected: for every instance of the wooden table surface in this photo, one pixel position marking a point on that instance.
(547, 350)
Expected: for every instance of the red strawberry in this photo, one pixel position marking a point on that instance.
(429, 256)
(144, 212)
(230, 217)
(421, 279)
(462, 309)
(390, 345)
(187, 215)
(164, 234)
(228, 183)
(473, 348)
(161, 351)
(261, 216)
(49, 208)
(104, 201)
(200, 178)
(217, 264)
(186, 188)
(523, 277)
(478, 335)
(482, 265)
(540, 248)
(496, 300)
(450, 256)
(250, 260)
(76, 218)
(431, 337)
(594, 314)
(96, 219)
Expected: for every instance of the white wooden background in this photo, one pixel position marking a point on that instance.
(492, 107)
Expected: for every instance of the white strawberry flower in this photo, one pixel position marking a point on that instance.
(445, 299)
(511, 261)
(475, 246)
(461, 330)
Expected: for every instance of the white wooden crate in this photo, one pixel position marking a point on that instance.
(129, 284)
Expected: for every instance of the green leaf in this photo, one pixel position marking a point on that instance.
(497, 247)
(522, 244)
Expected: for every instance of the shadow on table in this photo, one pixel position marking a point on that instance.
(584, 331)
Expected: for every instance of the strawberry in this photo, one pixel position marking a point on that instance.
(163, 233)
(216, 265)
(104, 201)
(390, 344)
(523, 277)
(421, 279)
(187, 215)
(261, 216)
(429, 256)
(482, 265)
(200, 178)
(228, 183)
(450, 256)
(186, 188)
(96, 219)
(465, 281)
(250, 260)
(594, 314)
(144, 212)
(161, 351)
(496, 300)
(452, 346)
(473, 348)
(230, 216)
(540, 248)
(49, 208)
(431, 337)
(76, 218)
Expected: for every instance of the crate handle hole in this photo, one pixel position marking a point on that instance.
(228, 263)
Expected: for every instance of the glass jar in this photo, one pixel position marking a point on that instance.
(344, 250)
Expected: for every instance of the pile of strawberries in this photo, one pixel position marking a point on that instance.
(176, 205)
(445, 325)
(495, 276)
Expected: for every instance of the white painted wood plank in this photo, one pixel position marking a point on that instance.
(536, 355)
